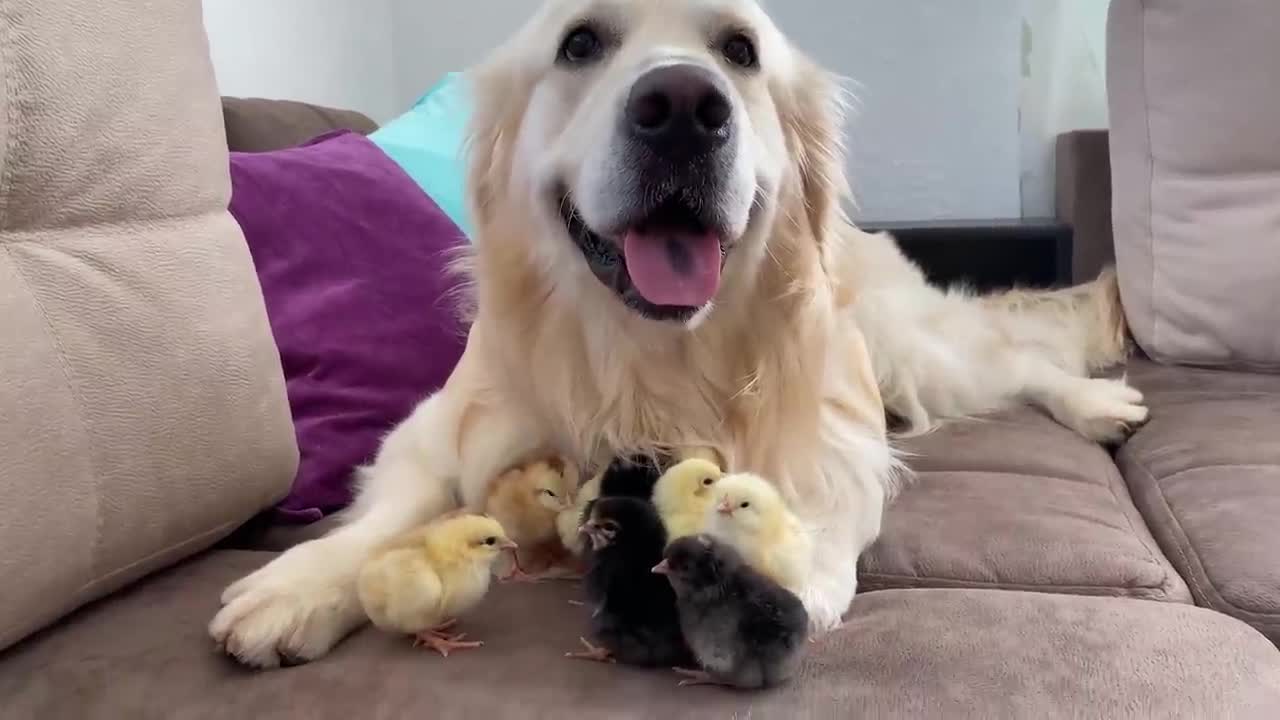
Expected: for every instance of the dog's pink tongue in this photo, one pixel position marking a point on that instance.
(673, 268)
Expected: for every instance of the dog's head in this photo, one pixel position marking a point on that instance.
(656, 145)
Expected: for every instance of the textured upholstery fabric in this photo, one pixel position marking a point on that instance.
(142, 406)
(1195, 157)
(901, 654)
(260, 125)
(1017, 501)
(1205, 471)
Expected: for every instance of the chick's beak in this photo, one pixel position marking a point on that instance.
(661, 568)
(725, 507)
(507, 544)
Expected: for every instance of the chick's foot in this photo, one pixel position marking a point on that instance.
(592, 652)
(695, 677)
(437, 639)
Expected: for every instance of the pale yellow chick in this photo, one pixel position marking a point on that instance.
(569, 519)
(421, 582)
(527, 500)
(684, 494)
(749, 513)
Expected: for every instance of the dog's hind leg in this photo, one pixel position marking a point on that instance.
(1101, 409)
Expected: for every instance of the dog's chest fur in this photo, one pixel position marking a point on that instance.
(609, 387)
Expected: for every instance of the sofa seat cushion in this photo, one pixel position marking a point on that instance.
(914, 653)
(1205, 471)
(1017, 501)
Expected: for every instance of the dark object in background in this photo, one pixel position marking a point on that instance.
(987, 255)
(744, 629)
(634, 611)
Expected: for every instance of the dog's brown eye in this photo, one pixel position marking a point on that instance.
(740, 51)
(581, 45)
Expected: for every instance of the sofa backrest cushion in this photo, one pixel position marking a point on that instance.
(261, 125)
(1195, 155)
(142, 405)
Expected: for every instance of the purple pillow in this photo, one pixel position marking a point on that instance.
(351, 255)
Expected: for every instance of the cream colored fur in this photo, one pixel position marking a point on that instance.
(776, 375)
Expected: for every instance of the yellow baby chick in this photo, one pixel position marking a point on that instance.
(527, 500)
(571, 518)
(684, 494)
(750, 514)
(420, 583)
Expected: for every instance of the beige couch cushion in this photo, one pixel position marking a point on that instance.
(1017, 501)
(1195, 156)
(901, 654)
(142, 406)
(1205, 471)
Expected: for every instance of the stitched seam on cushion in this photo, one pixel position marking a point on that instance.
(1015, 473)
(200, 539)
(1153, 553)
(1151, 179)
(74, 389)
(1219, 466)
(899, 581)
(10, 139)
(10, 630)
(1187, 553)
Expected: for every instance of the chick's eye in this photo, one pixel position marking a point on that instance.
(491, 540)
(549, 493)
(745, 504)
(740, 51)
(706, 482)
(581, 45)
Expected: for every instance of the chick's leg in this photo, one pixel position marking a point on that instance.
(592, 652)
(696, 677)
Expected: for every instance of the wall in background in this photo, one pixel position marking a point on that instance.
(1063, 86)
(331, 52)
(958, 104)
(937, 132)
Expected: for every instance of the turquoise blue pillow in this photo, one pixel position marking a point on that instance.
(427, 143)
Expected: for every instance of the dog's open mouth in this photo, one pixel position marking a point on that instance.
(666, 266)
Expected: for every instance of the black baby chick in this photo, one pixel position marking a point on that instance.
(744, 630)
(632, 475)
(635, 620)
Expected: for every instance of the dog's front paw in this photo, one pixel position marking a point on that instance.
(827, 599)
(291, 611)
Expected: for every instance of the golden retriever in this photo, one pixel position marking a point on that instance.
(661, 260)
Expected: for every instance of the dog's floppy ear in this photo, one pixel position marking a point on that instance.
(498, 99)
(813, 115)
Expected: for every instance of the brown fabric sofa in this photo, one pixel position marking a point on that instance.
(1026, 573)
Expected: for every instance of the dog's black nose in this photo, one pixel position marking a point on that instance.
(680, 110)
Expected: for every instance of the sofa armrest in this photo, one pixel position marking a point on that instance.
(1083, 189)
(260, 125)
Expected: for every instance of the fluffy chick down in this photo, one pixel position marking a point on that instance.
(634, 616)
(750, 514)
(420, 583)
(743, 629)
